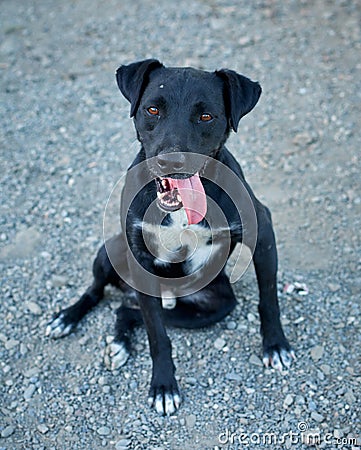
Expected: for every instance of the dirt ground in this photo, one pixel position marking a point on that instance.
(66, 139)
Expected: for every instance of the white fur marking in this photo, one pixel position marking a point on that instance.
(116, 355)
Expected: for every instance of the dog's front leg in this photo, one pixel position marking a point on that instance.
(276, 349)
(163, 393)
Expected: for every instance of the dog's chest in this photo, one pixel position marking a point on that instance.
(178, 242)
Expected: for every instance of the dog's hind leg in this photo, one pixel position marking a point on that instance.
(117, 352)
(64, 322)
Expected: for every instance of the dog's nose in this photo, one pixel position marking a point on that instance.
(171, 162)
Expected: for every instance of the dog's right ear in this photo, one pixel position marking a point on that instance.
(132, 80)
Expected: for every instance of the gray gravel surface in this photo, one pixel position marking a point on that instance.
(66, 139)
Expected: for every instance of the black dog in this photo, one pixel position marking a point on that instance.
(185, 206)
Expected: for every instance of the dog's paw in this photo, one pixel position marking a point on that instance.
(116, 355)
(164, 397)
(278, 357)
(61, 325)
(165, 403)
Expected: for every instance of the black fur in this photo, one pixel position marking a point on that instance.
(182, 95)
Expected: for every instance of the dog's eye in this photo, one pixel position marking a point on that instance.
(153, 111)
(205, 117)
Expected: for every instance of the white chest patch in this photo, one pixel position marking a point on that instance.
(179, 242)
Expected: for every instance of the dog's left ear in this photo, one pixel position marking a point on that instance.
(132, 80)
(241, 95)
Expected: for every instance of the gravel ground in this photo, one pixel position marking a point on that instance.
(66, 139)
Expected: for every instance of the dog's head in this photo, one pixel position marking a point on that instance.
(179, 114)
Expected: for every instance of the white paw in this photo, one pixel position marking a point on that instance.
(58, 327)
(165, 404)
(279, 359)
(115, 355)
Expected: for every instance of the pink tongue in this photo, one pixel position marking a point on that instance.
(193, 197)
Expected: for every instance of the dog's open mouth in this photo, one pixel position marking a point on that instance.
(187, 193)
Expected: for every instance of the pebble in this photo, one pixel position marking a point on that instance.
(43, 429)
(7, 431)
(191, 420)
(289, 399)
(122, 444)
(219, 343)
(32, 372)
(233, 376)
(33, 308)
(251, 317)
(255, 360)
(317, 417)
(29, 391)
(350, 397)
(58, 280)
(317, 352)
(103, 431)
(11, 343)
(231, 325)
(334, 287)
(326, 369)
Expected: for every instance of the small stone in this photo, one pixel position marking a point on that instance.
(191, 380)
(326, 369)
(32, 372)
(250, 391)
(102, 381)
(219, 343)
(338, 434)
(255, 360)
(122, 444)
(43, 429)
(289, 399)
(317, 417)
(29, 391)
(334, 287)
(317, 352)
(233, 377)
(350, 397)
(244, 41)
(7, 431)
(33, 307)
(11, 343)
(251, 317)
(191, 420)
(103, 431)
(58, 280)
(231, 325)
